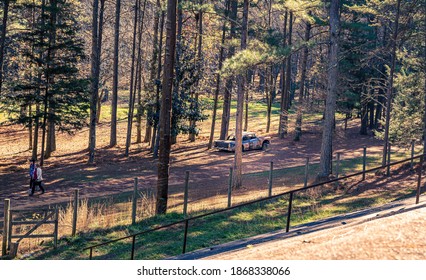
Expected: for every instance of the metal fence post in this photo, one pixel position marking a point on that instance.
(230, 186)
(5, 226)
(289, 212)
(75, 213)
(185, 195)
(134, 201)
(185, 237)
(364, 162)
(271, 170)
(306, 172)
(419, 180)
(132, 256)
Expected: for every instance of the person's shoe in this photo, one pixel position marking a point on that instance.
(42, 192)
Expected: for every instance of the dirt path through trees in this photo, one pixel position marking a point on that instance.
(113, 173)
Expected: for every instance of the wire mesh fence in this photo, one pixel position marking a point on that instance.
(312, 203)
(90, 214)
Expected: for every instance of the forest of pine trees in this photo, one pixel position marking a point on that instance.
(60, 59)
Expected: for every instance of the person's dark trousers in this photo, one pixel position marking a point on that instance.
(36, 183)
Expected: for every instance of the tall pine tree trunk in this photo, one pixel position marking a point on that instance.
(45, 101)
(238, 158)
(38, 90)
(51, 139)
(269, 80)
(138, 82)
(389, 93)
(268, 92)
(156, 134)
(302, 102)
(287, 87)
(139, 107)
(226, 111)
(177, 65)
(114, 101)
(3, 38)
(333, 73)
(132, 79)
(246, 105)
(51, 136)
(282, 82)
(381, 83)
(95, 81)
(100, 33)
(166, 107)
(261, 86)
(371, 114)
(150, 123)
(379, 108)
(218, 80)
(30, 127)
(139, 112)
(364, 115)
(199, 61)
(36, 132)
(44, 126)
(33, 119)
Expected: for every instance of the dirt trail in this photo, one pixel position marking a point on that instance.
(113, 173)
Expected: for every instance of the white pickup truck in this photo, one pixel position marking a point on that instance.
(250, 142)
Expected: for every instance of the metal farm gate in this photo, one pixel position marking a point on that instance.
(20, 219)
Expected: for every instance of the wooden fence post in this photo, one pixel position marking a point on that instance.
(306, 172)
(389, 160)
(338, 165)
(364, 162)
(412, 153)
(5, 226)
(55, 237)
(185, 195)
(230, 186)
(75, 214)
(134, 201)
(271, 170)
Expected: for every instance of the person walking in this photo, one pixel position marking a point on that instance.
(32, 167)
(37, 179)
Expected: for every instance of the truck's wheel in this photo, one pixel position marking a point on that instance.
(265, 146)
